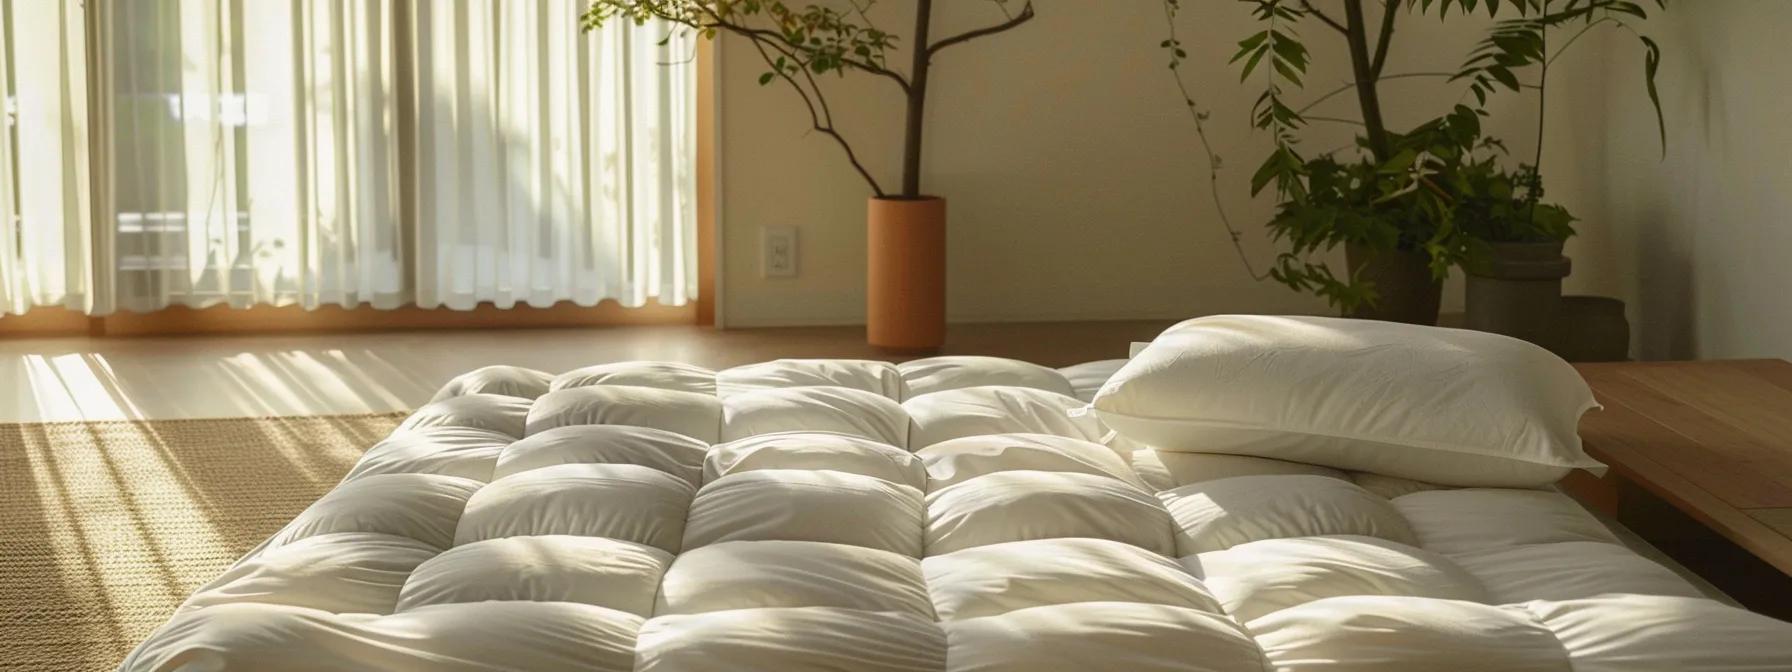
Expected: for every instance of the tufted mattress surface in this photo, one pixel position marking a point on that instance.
(944, 514)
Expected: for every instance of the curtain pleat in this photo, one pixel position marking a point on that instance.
(256, 150)
(558, 165)
(46, 240)
(254, 141)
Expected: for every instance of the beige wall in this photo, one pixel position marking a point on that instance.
(1699, 239)
(1071, 169)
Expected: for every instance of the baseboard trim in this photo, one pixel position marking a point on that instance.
(181, 320)
(737, 322)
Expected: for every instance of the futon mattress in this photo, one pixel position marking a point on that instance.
(945, 514)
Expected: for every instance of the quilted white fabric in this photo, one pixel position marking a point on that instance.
(945, 514)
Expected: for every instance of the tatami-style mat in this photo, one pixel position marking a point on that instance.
(106, 526)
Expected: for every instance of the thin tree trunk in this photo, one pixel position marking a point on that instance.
(1357, 33)
(917, 102)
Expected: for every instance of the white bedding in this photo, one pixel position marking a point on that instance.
(946, 514)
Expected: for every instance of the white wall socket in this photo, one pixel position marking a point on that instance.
(778, 252)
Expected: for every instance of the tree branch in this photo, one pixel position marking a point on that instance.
(1387, 35)
(773, 36)
(861, 9)
(1542, 116)
(1310, 9)
(1351, 85)
(1576, 38)
(821, 119)
(1025, 15)
(1213, 159)
(1367, 96)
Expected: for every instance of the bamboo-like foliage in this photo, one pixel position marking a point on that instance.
(802, 43)
(1439, 187)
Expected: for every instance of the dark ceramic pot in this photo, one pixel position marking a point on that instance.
(1593, 330)
(1402, 279)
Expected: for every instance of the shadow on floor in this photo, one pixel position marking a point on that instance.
(109, 525)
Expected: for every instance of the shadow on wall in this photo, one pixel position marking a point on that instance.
(1667, 282)
(1666, 297)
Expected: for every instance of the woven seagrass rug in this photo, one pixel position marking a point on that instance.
(106, 526)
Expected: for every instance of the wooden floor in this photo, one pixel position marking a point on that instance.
(134, 378)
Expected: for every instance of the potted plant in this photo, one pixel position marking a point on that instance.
(1385, 200)
(1514, 266)
(906, 228)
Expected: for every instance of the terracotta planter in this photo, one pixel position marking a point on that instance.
(1516, 290)
(905, 294)
(1402, 278)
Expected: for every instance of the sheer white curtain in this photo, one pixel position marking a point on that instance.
(552, 165)
(45, 239)
(313, 152)
(254, 159)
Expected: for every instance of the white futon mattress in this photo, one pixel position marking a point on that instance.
(944, 514)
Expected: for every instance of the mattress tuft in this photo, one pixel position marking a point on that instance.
(948, 514)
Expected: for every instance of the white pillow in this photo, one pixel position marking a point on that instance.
(1446, 406)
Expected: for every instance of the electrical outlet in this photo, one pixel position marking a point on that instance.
(778, 256)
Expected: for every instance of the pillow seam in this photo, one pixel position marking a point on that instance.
(1585, 461)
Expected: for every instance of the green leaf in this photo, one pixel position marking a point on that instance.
(1292, 51)
(1287, 71)
(765, 78)
(1505, 76)
(1250, 43)
(1252, 64)
(1651, 66)
(1266, 172)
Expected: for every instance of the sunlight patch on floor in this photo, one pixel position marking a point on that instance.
(91, 387)
(107, 526)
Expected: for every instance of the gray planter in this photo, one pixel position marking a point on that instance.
(1517, 291)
